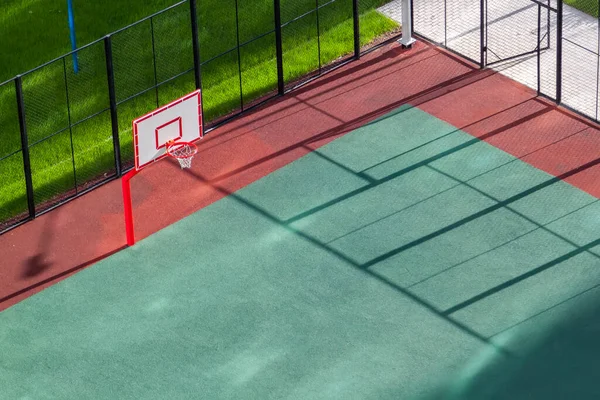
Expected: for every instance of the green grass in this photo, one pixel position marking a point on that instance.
(587, 6)
(42, 25)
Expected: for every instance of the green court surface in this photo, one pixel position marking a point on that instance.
(404, 260)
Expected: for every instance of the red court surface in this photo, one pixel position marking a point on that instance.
(482, 103)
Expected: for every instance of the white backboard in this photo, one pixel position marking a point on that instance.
(180, 120)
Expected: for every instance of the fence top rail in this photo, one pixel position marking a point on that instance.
(547, 6)
(95, 41)
(7, 81)
(60, 57)
(312, 10)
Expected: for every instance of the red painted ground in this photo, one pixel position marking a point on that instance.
(511, 117)
(482, 103)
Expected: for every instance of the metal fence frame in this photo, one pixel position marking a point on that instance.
(197, 68)
(36, 207)
(483, 34)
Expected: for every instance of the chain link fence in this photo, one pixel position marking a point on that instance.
(581, 54)
(453, 24)
(67, 129)
(66, 123)
(14, 207)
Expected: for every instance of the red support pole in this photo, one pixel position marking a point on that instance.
(127, 206)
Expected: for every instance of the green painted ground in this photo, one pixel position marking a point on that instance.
(405, 260)
(153, 51)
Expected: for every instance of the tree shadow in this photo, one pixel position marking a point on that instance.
(434, 91)
(35, 265)
(40, 263)
(555, 356)
(55, 278)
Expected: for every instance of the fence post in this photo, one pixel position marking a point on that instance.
(278, 46)
(25, 147)
(407, 40)
(356, 16)
(412, 18)
(110, 74)
(239, 55)
(559, 34)
(482, 28)
(195, 42)
(539, 45)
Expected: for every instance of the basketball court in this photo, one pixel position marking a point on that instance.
(406, 227)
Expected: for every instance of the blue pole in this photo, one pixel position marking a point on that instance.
(72, 32)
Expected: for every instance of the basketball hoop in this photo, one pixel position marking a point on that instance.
(183, 152)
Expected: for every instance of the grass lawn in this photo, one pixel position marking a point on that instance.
(587, 6)
(56, 151)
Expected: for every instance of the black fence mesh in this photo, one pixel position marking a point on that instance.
(336, 36)
(548, 57)
(221, 84)
(581, 54)
(511, 29)
(45, 98)
(531, 54)
(173, 56)
(13, 195)
(429, 20)
(134, 77)
(379, 21)
(222, 87)
(258, 59)
(133, 60)
(258, 51)
(317, 36)
(14, 192)
(68, 113)
(89, 116)
(68, 126)
(9, 120)
(300, 41)
(454, 24)
(52, 169)
(463, 31)
(50, 147)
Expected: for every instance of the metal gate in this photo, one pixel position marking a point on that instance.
(524, 33)
(514, 29)
(518, 37)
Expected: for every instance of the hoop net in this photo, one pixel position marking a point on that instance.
(183, 152)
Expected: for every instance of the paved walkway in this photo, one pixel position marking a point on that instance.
(511, 31)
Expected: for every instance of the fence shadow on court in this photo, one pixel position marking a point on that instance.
(422, 97)
(557, 358)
